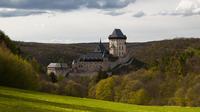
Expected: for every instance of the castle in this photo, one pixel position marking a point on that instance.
(101, 58)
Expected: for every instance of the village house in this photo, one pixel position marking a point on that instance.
(58, 69)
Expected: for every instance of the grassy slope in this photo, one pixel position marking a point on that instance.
(15, 100)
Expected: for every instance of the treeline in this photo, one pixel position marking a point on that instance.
(14, 70)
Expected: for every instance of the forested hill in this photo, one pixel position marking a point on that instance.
(47, 53)
(16, 71)
(148, 52)
(172, 75)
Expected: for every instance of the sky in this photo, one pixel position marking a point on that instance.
(80, 21)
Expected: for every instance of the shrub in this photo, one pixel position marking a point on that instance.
(73, 89)
(49, 87)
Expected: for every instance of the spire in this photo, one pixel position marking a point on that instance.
(101, 48)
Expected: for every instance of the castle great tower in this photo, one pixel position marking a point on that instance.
(117, 43)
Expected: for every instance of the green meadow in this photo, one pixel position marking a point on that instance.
(16, 100)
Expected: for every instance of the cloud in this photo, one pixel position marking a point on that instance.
(64, 5)
(33, 7)
(19, 12)
(114, 13)
(139, 14)
(184, 8)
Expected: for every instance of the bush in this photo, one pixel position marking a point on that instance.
(73, 89)
(49, 87)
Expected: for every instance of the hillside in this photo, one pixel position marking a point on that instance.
(15, 71)
(46, 53)
(22, 101)
(151, 52)
(171, 75)
(147, 52)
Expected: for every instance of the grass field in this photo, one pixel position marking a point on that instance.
(16, 100)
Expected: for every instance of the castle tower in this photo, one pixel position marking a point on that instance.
(117, 43)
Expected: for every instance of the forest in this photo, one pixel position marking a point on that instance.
(171, 75)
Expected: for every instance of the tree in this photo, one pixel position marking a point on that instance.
(73, 89)
(4, 39)
(192, 95)
(105, 89)
(179, 98)
(16, 72)
(53, 77)
(139, 97)
(101, 75)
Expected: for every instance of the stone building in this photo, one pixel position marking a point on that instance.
(58, 69)
(101, 58)
(93, 61)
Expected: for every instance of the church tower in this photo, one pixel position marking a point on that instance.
(117, 43)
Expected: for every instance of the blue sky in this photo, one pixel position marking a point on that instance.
(74, 21)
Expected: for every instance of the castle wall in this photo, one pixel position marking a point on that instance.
(90, 66)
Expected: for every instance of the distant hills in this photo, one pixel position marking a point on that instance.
(148, 52)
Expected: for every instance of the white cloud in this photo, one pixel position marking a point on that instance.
(188, 5)
(184, 8)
